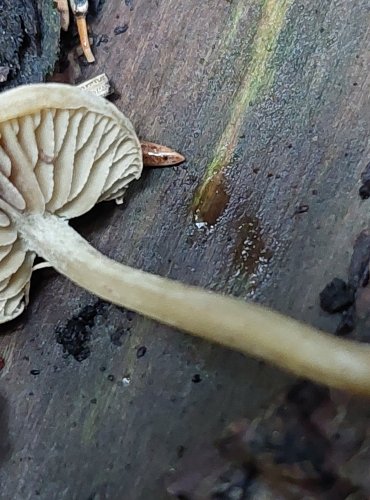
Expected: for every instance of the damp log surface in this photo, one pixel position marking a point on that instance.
(270, 106)
(29, 41)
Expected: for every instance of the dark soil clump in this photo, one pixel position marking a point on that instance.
(75, 335)
(347, 323)
(120, 29)
(141, 351)
(337, 296)
(364, 191)
(116, 337)
(358, 274)
(352, 298)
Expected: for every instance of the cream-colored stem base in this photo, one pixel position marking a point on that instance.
(245, 327)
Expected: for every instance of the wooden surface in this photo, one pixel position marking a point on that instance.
(271, 97)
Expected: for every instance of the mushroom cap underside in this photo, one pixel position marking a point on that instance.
(62, 150)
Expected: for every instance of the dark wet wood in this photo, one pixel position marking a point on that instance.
(29, 41)
(273, 98)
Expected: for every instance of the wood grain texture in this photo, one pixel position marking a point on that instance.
(272, 97)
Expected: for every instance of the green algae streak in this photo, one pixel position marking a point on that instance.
(258, 77)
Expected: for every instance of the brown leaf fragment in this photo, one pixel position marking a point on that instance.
(156, 155)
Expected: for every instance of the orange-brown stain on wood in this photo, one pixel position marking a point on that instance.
(214, 201)
(251, 250)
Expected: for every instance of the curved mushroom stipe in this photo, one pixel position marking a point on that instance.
(61, 151)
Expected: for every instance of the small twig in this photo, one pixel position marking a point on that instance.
(62, 7)
(84, 38)
(79, 11)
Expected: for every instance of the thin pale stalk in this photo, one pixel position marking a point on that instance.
(84, 38)
(241, 326)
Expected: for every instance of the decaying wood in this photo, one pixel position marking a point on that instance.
(309, 443)
(272, 98)
(29, 41)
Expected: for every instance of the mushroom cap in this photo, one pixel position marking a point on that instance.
(62, 150)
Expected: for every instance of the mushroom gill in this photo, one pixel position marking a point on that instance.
(61, 151)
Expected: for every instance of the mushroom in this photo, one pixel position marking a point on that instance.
(62, 150)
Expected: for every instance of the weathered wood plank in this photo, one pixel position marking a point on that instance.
(273, 98)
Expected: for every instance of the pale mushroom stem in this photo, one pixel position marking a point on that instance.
(245, 327)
